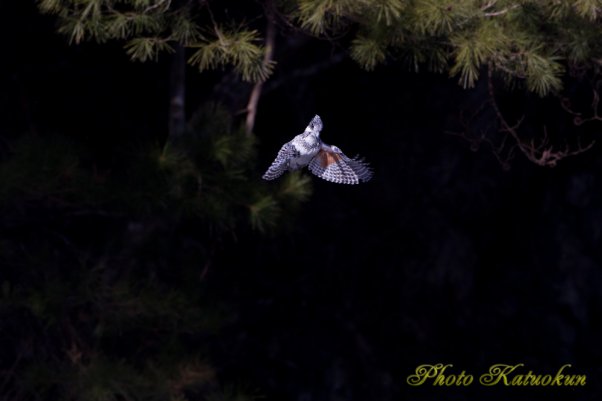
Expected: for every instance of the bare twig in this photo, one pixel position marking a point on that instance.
(503, 152)
(490, 4)
(158, 4)
(501, 12)
(539, 151)
(578, 119)
(542, 153)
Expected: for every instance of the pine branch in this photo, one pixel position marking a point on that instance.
(264, 212)
(145, 49)
(236, 48)
(367, 52)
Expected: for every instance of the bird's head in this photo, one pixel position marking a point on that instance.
(315, 125)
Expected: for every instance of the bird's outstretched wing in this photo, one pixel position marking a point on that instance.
(281, 164)
(332, 165)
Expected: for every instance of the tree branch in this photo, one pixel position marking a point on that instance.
(496, 13)
(542, 154)
(578, 119)
(270, 38)
(165, 3)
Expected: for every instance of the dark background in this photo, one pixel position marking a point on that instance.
(444, 257)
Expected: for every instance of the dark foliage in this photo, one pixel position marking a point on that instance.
(135, 266)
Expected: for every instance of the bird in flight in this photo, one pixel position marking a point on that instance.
(325, 161)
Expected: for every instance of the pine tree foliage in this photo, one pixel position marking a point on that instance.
(150, 28)
(236, 47)
(83, 311)
(117, 310)
(528, 41)
(367, 52)
(318, 16)
(231, 152)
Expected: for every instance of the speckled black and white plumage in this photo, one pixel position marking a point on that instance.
(325, 161)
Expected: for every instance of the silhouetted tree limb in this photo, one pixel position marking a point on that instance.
(539, 152)
(270, 39)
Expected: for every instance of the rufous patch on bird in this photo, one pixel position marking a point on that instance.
(328, 158)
